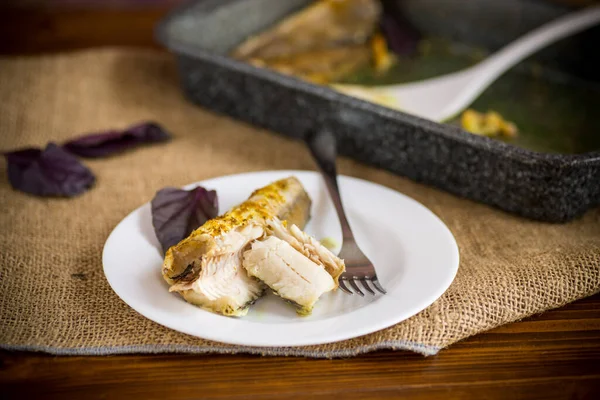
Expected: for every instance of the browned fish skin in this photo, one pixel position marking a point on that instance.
(206, 266)
(285, 199)
(331, 34)
(320, 66)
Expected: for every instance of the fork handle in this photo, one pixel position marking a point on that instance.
(323, 147)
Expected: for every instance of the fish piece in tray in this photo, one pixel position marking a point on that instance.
(319, 66)
(333, 35)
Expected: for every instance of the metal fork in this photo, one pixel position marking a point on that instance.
(323, 147)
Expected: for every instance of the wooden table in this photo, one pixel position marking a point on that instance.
(552, 356)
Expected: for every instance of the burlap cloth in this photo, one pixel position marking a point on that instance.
(53, 294)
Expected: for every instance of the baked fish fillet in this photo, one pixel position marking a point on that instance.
(293, 264)
(321, 43)
(206, 267)
(319, 66)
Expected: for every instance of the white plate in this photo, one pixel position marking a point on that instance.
(415, 254)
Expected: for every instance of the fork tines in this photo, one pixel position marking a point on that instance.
(352, 281)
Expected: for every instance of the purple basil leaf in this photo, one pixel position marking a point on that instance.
(401, 36)
(108, 143)
(49, 172)
(176, 213)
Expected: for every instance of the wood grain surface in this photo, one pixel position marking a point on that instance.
(552, 356)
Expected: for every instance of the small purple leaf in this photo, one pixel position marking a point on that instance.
(401, 36)
(49, 172)
(176, 213)
(108, 143)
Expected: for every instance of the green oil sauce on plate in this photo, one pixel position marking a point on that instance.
(554, 113)
(329, 243)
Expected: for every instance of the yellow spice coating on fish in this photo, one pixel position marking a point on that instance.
(262, 205)
(284, 199)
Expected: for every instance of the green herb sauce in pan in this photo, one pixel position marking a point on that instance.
(554, 113)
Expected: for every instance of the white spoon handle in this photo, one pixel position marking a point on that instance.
(505, 58)
(443, 97)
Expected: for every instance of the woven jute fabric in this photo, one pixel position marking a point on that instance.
(53, 293)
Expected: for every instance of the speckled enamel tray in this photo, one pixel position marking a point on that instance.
(548, 187)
